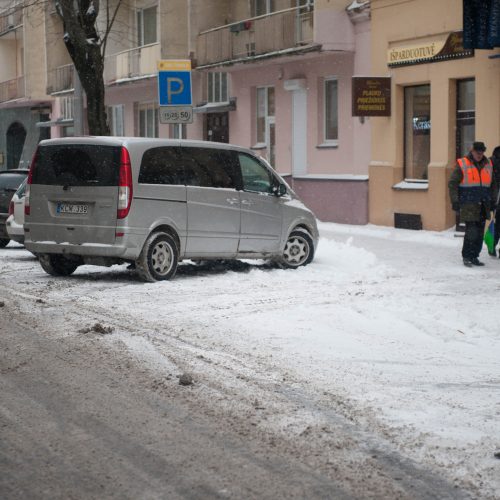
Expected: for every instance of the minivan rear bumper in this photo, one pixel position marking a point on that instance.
(86, 249)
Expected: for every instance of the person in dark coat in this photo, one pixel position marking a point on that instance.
(495, 160)
(471, 188)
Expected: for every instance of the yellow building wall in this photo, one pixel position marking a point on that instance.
(412, 22)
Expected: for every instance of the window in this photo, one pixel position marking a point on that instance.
(466, 116)
(67, 108)
(147, 119)
(217, 87)
(265, 110)
(254, 175)
(178, 131)
(77, 165)
(115, 119)
(262, 7)
(146, 26)
(208, 167)
(161, 166)
(68, 131)
(417, 131)
(331, 110)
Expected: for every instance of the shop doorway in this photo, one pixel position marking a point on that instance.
(217, 129)
(16, 135)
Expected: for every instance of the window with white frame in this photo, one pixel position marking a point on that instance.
(265, 109)
(147, 119)
(178, 131)
(67, 107)
(218, 87)
(115, 120)
(262, 7)
(146, 26)
(331, 111)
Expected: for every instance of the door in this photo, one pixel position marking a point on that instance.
(299, 132)
(261, 210)
(217, 127)
(213, 202)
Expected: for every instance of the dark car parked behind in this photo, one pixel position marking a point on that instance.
(10, 180)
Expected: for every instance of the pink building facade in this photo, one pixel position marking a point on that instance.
(294, 108)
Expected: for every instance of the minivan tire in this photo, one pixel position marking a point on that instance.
(57, 265)
(3, 242)
(159, 258)
(298, 251)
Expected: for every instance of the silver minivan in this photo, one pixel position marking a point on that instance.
(155, 202)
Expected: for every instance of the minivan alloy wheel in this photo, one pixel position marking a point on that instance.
(299, 249)
(159, 258)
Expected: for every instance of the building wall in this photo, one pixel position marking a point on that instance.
(428, 19)
(35, 62)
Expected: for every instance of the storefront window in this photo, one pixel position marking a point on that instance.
(466, 116)
(417, 131)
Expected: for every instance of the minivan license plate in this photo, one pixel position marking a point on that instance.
(72, 208)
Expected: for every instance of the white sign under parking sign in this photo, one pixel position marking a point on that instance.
(176, 114)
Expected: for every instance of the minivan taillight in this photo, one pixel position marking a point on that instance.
(28, 183)
(124, 185)
(11, 208)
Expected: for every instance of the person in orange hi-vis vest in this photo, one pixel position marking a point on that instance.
(472, 189)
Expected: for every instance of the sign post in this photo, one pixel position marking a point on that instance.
(174, 91)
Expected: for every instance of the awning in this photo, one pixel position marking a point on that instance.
(56, 123)
(216, 107)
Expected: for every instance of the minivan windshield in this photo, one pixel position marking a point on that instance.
(77, 165)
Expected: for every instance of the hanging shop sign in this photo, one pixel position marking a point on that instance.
(371, 96)
(443, 48)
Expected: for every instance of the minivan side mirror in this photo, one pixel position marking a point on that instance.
(279, 189)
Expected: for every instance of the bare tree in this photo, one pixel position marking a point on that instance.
(86, 46)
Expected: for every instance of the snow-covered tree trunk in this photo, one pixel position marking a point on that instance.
(84, 47)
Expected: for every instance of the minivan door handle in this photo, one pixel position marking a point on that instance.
(232, 201)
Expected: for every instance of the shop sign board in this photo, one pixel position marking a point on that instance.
(436, 49)
(371, 96)
(174, 91)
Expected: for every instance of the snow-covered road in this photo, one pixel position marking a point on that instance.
(385, 328)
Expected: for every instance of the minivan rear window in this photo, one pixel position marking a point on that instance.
(77, 165)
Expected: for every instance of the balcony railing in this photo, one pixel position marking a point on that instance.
(285, 29)
(12, 89)
(132, 63)
(60, 79)
(10, 21)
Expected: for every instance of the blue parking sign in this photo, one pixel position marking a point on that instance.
(174, 83)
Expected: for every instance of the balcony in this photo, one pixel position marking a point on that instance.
(132, 64)
(9, 22)
(12, 89)
(282, 30)
(61, 79)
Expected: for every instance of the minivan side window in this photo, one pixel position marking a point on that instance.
(207, 167)
(161, 166)
(77, 165)
(255, 176)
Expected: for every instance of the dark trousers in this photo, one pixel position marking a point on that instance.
(473, 239)
(497, 228)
